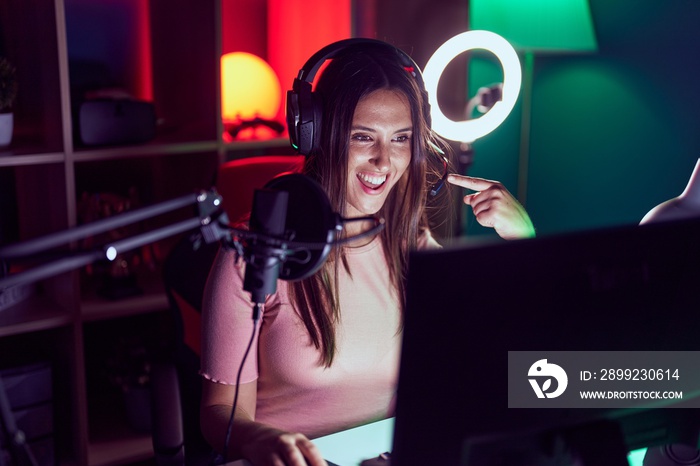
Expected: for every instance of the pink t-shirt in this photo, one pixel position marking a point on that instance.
(295, 391)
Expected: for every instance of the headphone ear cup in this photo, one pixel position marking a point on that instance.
(317, 122)
(304, 112)
(292, 117)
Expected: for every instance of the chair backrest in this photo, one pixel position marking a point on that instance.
(176, 383)
(238, 179)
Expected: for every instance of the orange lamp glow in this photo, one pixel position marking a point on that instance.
(250, 88)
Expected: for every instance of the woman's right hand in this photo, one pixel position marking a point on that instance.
(266, 446)
(260, 444)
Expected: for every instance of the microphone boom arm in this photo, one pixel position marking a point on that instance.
(209, 211)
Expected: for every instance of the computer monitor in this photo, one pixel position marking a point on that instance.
(630, 288)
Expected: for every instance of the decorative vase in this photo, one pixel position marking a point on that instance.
(6, 126)
(684, 206)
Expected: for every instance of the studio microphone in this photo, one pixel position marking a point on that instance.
(292, 231)
(263, 256)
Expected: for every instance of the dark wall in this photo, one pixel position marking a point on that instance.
(419, 27)
(613, 133)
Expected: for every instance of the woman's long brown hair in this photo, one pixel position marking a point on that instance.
(350, 76)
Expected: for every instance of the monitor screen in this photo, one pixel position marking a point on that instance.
(473, 308)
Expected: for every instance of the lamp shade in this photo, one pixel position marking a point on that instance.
(249, 88)
(537, 25)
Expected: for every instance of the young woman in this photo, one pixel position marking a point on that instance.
(326, 355)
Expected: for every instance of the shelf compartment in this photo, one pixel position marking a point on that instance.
(33, 50)
(54, 347)
(118, 356)
(132, 49)
(38, 192)
(185, 63)
(112, 440)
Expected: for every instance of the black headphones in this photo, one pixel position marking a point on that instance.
(304, 107)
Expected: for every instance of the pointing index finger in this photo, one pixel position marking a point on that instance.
(469, 182)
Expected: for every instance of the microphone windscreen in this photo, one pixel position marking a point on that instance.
(310, 219)
(269, 212)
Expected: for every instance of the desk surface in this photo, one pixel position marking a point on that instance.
(350, 447)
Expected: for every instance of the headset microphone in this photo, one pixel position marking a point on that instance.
(435, 188)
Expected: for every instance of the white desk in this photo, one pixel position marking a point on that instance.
(352, 446)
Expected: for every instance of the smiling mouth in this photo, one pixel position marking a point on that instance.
(372, 181)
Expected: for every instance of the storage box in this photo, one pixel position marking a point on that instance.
(15, 295)
(27, 385)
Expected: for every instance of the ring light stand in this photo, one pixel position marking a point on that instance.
(494, 102)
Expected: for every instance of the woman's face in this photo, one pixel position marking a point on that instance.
(379, 152)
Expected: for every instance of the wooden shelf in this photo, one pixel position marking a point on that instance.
(44, 171)
(122, 449)
(61, 48)
(146, 150)
(33, 314)
(99, 309)
(15, 158)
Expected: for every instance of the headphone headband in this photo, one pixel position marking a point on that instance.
(308, 72)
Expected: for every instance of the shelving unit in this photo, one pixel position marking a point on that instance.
(46, 171)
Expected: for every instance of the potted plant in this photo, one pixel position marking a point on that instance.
(8, 93)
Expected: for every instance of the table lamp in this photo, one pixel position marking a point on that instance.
(535, 27)
(251, 94)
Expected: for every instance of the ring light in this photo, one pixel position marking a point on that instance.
(471, 130)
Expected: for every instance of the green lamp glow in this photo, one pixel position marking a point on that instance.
(537, 25)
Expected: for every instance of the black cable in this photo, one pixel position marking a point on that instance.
(378, 226)
(256, 318)
(290, 245)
